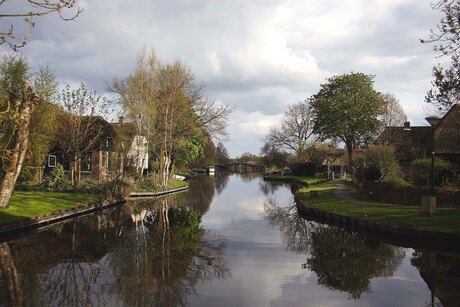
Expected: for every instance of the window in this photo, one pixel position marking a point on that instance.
(105, 161)
(85, 163)
(52, 161)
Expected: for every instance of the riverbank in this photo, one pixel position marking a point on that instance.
(30, 210)
(337, 199)
(303, 181)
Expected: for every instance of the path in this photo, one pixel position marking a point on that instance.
(342, 192)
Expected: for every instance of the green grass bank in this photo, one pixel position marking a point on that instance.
(446, 220)
(294, 179)
(32, 204)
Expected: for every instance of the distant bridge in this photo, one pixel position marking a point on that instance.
(244, 167)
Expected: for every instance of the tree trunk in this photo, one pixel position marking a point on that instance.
(350, 150)
(21, 143)
(10, 276)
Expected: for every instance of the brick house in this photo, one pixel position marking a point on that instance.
(415, 142)
(106, 156)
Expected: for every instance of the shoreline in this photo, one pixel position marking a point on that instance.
(29, 224)
(405, 236)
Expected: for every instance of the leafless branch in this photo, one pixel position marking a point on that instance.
(37, 8)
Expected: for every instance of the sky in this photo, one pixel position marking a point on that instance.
(258, 55)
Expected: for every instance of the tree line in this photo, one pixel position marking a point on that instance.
(162, 102)
(346, 110)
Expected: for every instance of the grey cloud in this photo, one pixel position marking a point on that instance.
(258, 55)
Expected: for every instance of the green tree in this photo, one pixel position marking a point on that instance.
(346, 109)
(43, 124)
(19, 102)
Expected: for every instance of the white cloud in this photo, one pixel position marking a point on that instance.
(258, 55)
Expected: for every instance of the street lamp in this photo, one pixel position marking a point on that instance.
(433, 121)
(429, 202)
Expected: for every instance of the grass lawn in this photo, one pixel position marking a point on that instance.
(33, 204)
(309, 180)
(146, 186)
(446, 220)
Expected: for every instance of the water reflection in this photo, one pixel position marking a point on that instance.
(170, 251)
(10, 275)
(221, 180)
(347, 261)
(342, 260)
(142, 255)
(441, 272)
(200, 193)
(161, 263)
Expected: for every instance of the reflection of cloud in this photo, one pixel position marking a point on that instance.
(240, 200)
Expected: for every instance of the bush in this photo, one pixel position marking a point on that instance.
(57, 180)
(372, 173)
(397, 182)
(89, 186)
(420, 171)
(118, 188)
(307, 169)
(382, 158)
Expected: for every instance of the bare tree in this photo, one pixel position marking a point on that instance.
(82, 124)
(222, 156)
(31, 9)
(168, 107)
(296, 131)
(392, 115)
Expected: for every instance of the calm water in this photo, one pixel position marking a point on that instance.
(230, 241)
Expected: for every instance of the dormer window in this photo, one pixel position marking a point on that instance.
(52, 161)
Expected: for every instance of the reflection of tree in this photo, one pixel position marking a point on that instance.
(221, 180)
(161, 263)
(62, 266)
(342, 260)
(248, 177)
(441, 272)
(347, 261)
(10, 276)
(199, 195)
(294, 229)
(269, 187)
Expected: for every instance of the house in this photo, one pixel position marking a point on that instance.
(415, 142)
(103, 151)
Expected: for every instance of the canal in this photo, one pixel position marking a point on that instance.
(232, 240)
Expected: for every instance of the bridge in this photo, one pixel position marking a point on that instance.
(244, 167)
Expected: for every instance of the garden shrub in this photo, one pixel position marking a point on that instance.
(383, 158)
(57, 179)
(372, 173)
(420, 171)
(120, 187)
(90, 186)
(307, 169)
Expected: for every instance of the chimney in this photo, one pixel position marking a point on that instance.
(120, 121)
(407, 126)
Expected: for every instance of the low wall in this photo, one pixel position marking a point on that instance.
(410, 194)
